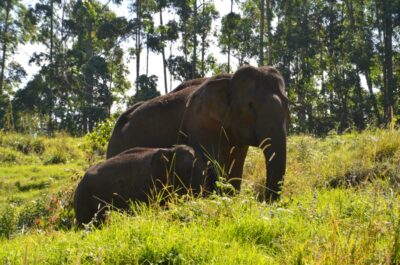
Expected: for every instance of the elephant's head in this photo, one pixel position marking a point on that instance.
(259, 116)
(184, 168)
(253, 108)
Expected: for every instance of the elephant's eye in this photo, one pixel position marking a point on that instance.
(251, 105)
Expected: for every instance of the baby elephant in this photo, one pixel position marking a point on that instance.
(133, 175)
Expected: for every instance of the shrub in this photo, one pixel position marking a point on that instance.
(61, 213)
(18, 142)
(8, 221)
(8, 156)
(56, 157)
(30, 213)
(98, 139)
(38, 146)
(54, 212)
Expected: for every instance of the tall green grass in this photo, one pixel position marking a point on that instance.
(346, 226)
(340, 205)
(17, 149)
(336, 160)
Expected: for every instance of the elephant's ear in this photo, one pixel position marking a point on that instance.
(212, 99)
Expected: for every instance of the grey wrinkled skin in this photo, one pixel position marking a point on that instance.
(134, 175)
(220, 117)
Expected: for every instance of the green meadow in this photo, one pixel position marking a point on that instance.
(340, 204)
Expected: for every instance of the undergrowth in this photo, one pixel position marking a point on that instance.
(340, 205)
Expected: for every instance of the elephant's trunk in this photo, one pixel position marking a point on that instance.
(275, 160)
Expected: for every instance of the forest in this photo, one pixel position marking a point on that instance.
(339, 59)
(333, 199)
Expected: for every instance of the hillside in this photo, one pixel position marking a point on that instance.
(340, 204)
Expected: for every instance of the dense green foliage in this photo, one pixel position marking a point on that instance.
(340, 204)
(340, 59)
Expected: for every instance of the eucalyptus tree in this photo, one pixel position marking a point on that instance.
(49, 24)
(147, 89)
(262, 25)
(184, 66)
(228, 27)
(78, 81)
(269, 18)
(386, 22)
(206, 17)
(17, 25)
(97, 59)
(237, 37)
(162, 4)
(184, 10)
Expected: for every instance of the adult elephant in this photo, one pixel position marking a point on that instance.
(220, 118)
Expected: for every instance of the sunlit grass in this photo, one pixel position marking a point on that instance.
(346, 226)
(340, 205)
(21, 183)
(332, 161)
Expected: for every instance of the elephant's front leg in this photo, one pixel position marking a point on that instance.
(237, 157)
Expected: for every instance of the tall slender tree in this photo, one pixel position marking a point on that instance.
(161, 5)
(17, 26)
(262, 25)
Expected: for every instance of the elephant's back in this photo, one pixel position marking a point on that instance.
(154, 123)
(189, 84)
(124, 174)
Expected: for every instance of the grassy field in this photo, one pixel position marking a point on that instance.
(340, 205)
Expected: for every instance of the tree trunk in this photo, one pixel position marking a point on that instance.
(194, 59)
(138, 40)
(300, 91)
(51, 76)
(89, 86)
(170, 75)
(359, 111)
(385, 100)
(203, 45)
(185, 44)
(344, 124)
(373, 97)
(163, 56)
(229, 44)
(110, 85)
(261, 55)
(287, 56)
(61, 69)
(388, 50)
(344, 112)
(4, 51)
(269, 19)
(147, 56)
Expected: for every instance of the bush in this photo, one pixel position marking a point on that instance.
(20, 143)
(98, 139)
(56, 157)
(27, 145)
(54, 212)
(30, 213)
(38, 146)
(24, 149)
(8, 221)
(8, 156)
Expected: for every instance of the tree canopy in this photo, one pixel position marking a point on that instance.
(339, 59)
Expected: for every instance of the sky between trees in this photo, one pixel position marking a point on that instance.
(340, 59)
(223, 6)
